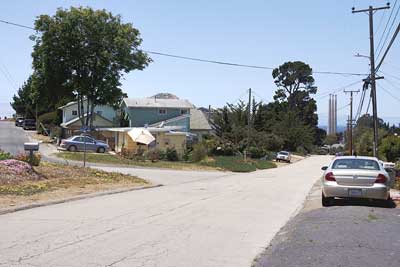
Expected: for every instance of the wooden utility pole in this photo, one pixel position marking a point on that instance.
(351, 120)
(371, 10)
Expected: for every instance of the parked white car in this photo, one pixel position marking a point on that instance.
(283, 156)
(355, 177)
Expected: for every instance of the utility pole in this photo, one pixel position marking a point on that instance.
(351, 120)
(248, 125)
(371, 10)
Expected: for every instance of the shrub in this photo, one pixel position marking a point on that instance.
(187, 154)
(257, 152)
(171, 154)
(35, 161)
(5, 155)
(50, 118)
(224, 149)
(301, 150)
(153, 154)
(199, 152)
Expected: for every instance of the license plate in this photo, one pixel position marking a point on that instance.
(355, 192)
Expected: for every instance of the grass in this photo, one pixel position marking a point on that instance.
(237, 164)
(117, 160)
(234, 164)
(55, 177)
(372, 217)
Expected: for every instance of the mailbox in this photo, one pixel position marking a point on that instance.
(31, 146)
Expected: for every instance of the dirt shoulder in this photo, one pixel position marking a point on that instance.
(49, 182)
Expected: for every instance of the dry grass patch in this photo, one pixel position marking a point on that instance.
(55, 181)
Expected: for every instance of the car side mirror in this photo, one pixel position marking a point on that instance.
(324, 168)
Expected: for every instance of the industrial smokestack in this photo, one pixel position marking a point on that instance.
(335, 119)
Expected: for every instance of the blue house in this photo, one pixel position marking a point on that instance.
(157, 112)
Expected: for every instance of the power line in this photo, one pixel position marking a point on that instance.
(213, 61)
(16, 24)
(245, 65)
(388, 47)
(336, 90)
(386, 26)
(391, 75)
(369, 104)
(388, 33)
(389, 93)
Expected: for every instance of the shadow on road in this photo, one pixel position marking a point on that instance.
(364, 202)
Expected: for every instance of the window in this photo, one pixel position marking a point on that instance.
(361, 164)
(184, 111)
(88, 140)
(99, 112)
(162, 111)
(74, 113)
(78, 139)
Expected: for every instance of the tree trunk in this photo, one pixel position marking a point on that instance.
(88, 115)
(92, 115)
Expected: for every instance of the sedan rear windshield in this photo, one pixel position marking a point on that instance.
(360, 164)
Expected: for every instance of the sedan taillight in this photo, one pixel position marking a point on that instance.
(330, 177)
(381, 179)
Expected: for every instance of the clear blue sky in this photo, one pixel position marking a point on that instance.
(324, 34)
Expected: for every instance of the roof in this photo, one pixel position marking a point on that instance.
(162, 123)
(150, 129)
(198, 120)
(68, 104)
(157, 103)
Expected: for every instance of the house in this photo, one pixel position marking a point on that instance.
(165, 137)
(157, 112)
(199, 123)
(104, 116)
(166, 110)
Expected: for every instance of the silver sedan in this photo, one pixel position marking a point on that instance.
(354, 177)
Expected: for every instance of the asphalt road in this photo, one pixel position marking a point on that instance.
(12, 138)
(197, 219)
(351, 233)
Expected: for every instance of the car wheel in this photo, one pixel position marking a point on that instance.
(101, 150)
(326, 201)
(72, 149)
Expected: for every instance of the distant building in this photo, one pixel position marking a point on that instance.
(104, 116)
(164, 110)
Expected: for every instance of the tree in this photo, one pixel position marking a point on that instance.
(390, 148)
(331, 139)
(295, 86)
(87, 52)
(23, 102)
(292, 77)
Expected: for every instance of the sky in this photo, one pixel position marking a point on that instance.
(324, 34)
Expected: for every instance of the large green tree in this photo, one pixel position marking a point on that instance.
(295, 87)
(85, 52)
(294, 81)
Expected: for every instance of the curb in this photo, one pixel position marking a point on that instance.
(74, 198)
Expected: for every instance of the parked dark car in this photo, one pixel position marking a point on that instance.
(19, 121)
(29, 124)
(77, 143)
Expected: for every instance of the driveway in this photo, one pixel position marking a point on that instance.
(12, 138)
(197, 219)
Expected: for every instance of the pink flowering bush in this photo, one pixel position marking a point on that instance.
(14, 171)
(16, 166)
